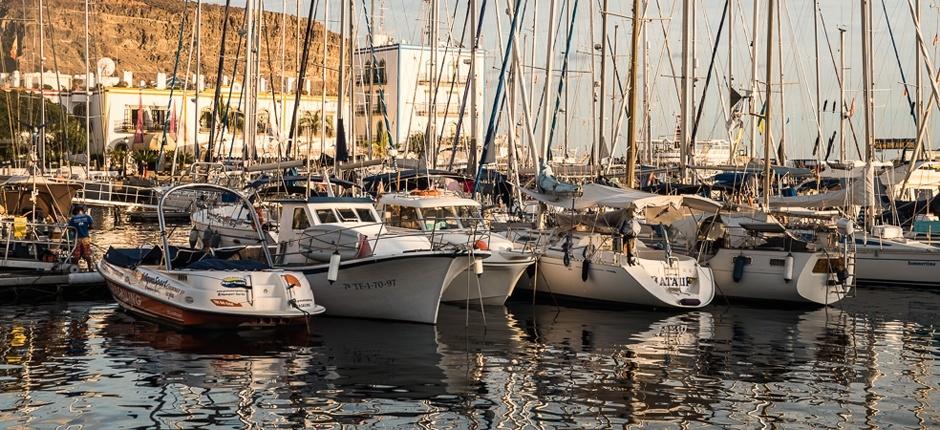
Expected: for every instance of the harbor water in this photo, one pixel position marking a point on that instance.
(873, 361)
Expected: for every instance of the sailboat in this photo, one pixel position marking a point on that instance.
(589, 259)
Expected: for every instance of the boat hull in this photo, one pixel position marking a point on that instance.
(763, 279)
(209, 304)
(624, 283)
(886, 266)
(493, 287)
(404, 287)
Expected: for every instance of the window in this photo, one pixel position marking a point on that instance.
(326, 216)
(158, 117)
(469, 216)
(403, 217)
(440, 218)
(300, 220)
(347, 215)
(365, 215)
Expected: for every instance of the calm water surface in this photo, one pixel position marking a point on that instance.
(870, 363)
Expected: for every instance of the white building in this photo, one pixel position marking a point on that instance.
(404, 75)
(133, 116)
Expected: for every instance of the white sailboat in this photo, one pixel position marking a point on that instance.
(596, 265)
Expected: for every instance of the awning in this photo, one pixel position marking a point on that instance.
(655, 206)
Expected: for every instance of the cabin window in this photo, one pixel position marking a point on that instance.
(777, 262)
(403, 217)
(365, 215)
(347, 215)
(326, 216)
(469, 216)
(440, 218)
(300, 220)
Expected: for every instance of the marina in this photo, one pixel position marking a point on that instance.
(469, 214)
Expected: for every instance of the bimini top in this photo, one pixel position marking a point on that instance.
(596, 195)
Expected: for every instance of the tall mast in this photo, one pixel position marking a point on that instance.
(631, 104)
(753, 100)
(918, 93)
(782, 149)
(547, 91)
(603, 81)
(472, 87)
(248, 85)
(768, 106)
(819, 137)
(730, 76)
(869, 118)
(324, 35)
(341, 85)
(198, 43)
(42, 90)
(352, 77)
(87, 98)
(686, 95)
(432, 105)
(647, 113)
(614, 114)
(842, 107)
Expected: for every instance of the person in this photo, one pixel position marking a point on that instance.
(82, 223)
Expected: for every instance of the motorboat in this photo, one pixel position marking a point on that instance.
(449, 218)
(753, 256)
(587, 256)
(358, 266)
(190, 288)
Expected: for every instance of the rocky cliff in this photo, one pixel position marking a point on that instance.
(142, 36)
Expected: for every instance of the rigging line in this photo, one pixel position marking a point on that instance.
(564, 77)
(832, 58)
(466, 90)
(802, 72)
(711, 69)
(500, 95)
(437, 75)
(453, 81)
(538, 110)
(63, 112)
(218, 81)
(302, 74)
(228, 102)
(897, 56)
(169, 106)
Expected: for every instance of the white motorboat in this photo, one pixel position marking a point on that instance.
(759, 259)
(886, 257)
(596, 265)
(449, 218)
(191, 288)
(357, 266)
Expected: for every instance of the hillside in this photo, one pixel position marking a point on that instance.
(142, 36)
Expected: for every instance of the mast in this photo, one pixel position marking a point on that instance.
(352, 78)
(42, 90)
(753, 100)
(631, 104)
(686, 95)
(472, 88)
(87, 99)
(341, 86)
(730, 77)
(782, 149)
(819, 141)
(546, 91)
(613, 94)
(842, 107)
(248, 85)
(603, 82)
(918, 93)
(768, 141)
(432, 104)
(198, 44)
(647, 112)
(869, 118)
(325, 38)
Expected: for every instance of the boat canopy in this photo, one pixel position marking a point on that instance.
(53, 197)
(596, 195)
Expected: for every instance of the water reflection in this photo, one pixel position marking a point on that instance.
(872, 363)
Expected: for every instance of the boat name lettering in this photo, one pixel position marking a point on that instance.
(156, 284)
(671, 281)
(921, 263)
(388, 283)
(225, 303)
(127, 296)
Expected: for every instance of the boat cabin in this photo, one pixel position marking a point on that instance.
(429, 211)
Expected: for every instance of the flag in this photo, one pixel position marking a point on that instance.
(173, 123)
(13, 45)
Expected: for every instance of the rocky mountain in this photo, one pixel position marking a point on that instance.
(142, 36)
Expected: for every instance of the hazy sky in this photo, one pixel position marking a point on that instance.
(405, 20)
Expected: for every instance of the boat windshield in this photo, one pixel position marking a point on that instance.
(469, 216)
(440, 218)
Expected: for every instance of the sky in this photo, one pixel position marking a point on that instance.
(406, 20)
